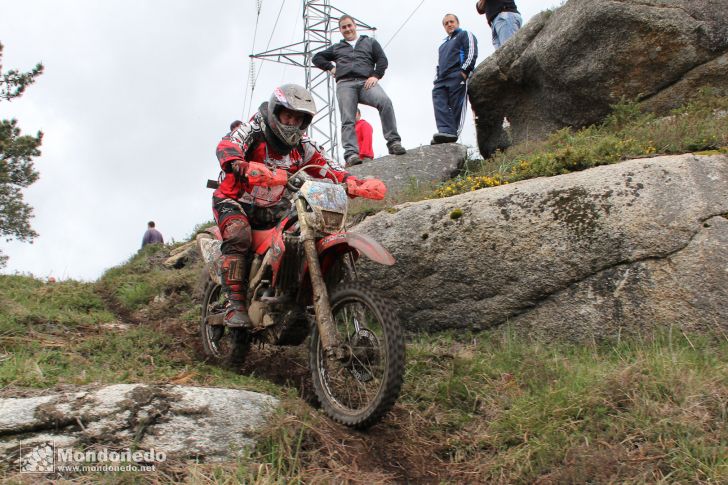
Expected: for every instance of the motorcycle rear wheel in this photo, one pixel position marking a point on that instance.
(222, 345)
(359, 392)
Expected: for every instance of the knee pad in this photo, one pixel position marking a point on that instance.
(236, 235)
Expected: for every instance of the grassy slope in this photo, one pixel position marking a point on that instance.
(489, 407)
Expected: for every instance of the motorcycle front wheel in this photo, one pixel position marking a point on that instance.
(359, 391)
(222, 345)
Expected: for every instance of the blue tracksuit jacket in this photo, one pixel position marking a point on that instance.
(458, 53)
(449, 95)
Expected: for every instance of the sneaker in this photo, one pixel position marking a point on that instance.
(353, 160)
(396, 148)
(237, 318)
(438, 138)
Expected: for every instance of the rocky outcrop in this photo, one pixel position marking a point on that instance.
(420, 167)
(207, 424)
(181, 256)
(617, 248)
(567, 67)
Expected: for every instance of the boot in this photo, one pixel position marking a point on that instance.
(233, 269)
(237, 315)
(396, 148)
(438, 138)
(353, 160)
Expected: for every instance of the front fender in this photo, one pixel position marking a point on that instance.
(366, 245)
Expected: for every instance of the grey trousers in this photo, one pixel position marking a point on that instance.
(350, 93)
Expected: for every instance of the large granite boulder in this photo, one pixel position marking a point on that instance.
(207, 424)
(618, 248)
(420, 167)
(567, 67)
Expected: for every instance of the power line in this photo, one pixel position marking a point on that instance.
(283, 3)
(251, 69)
(293, 35)
(251, 82)
(404, 23)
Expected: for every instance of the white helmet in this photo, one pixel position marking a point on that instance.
(295, 98)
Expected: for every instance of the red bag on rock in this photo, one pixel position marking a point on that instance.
(373, 189)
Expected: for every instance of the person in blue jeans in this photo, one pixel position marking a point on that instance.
(502, 16)
(456, 60)
(358, 63)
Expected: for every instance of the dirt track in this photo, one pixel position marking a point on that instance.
(393, 451)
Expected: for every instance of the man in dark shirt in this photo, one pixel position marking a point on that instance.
(358, 63)
(503, 17)
(456, 60)
(152, 236)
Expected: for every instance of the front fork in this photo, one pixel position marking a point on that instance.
(321, 305)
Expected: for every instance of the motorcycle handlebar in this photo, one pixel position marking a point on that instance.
(301, 175)
(291, 184)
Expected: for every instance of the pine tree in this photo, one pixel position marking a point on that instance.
(16, 161)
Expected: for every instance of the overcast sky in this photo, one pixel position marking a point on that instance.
(137, 93)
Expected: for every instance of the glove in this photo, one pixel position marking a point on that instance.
(259, 174)
(239, 167)
(369, 188)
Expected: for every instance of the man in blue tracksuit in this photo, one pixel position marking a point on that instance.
(457, 56)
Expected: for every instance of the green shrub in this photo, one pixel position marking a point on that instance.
(135, 294)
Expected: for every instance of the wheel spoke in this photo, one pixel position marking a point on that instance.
(220, 342)
(357, 383)
(359, 389)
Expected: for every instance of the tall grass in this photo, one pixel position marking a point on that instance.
(62, 333)
(502, 408)
(525, 410)
(137, 282)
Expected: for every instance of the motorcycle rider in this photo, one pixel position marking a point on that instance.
(255, 160)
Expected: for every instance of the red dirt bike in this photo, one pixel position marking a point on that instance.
(302, 282)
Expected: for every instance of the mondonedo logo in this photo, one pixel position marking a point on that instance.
(46, 457)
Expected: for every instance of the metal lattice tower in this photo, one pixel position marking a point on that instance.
(318, 25)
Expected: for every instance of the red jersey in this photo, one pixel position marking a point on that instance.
(248, 144)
